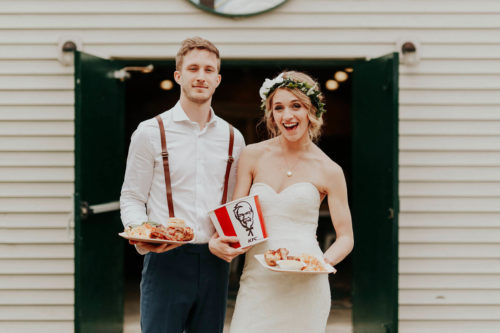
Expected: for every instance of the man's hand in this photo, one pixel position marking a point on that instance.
(220, 247)
(157, 248)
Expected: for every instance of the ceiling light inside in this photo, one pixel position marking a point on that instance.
(166, 84)
(341, 76)
(331, 85)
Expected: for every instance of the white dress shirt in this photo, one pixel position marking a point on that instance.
(197, 161)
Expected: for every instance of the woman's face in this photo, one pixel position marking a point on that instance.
(290, 115)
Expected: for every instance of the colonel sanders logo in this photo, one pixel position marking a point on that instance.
(244, 214)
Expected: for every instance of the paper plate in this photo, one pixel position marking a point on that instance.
(262, 261)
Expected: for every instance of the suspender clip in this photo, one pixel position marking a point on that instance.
(164, 154)
(230, 159)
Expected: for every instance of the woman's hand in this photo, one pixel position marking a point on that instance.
(220, 247)
(157, 248)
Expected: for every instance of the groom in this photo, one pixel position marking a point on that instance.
(183, 289)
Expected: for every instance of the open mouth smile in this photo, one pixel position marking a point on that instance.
(290, 126)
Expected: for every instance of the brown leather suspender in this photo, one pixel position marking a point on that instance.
(230, 160)
(166, 169)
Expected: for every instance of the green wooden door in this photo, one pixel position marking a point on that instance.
(375, 195)
(99, 168)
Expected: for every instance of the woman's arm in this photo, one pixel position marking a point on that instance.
(221, 245)
(341, 215)
(244, 174)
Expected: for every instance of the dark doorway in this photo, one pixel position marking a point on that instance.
(360, 134)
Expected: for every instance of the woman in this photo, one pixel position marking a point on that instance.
(292, 176)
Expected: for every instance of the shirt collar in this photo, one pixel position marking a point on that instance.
(179, 115)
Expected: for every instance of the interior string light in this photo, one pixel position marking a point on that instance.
(331, 84)
(166, 84)
(341, 76)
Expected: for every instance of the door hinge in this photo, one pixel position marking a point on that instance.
(123, 74)
(391, 214)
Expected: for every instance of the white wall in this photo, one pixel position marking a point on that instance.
(449, 137)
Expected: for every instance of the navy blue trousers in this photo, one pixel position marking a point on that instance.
(184, 290)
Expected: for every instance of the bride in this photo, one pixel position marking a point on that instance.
(291, 176)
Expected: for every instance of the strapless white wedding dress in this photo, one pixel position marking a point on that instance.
(277, 302)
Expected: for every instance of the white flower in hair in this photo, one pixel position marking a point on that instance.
(268, 84)
(310, 91)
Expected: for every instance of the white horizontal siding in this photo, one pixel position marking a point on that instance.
(62, 190)
(451, 248)
(36, 312)
(37, 82)
(450, 142)
(37, 174)
(450, 296)
(449, 137)
(33, 159)
(28, 219)
(449, 235)
(35, 236)
(465, 281)
(450, 127)
(42, 326)
(61, 247)
(449, 112)
(156, 36)
(36, 97)
(449, 158)
(36, 144)
(449, 326)
(317, 19)
(449, 173)
(449, 312)
(37, 128)
(449, 219)
(455, 204)
(36, 266)
(37, 297)
(444, 189)
(37, 112)
(37, 281)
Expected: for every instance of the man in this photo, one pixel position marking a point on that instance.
(183, 288)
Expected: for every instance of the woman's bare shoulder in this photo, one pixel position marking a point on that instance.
(257, 149)
(329, 166)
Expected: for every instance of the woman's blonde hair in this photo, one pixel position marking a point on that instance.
(315, 122)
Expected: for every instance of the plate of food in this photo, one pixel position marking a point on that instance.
(280, 261)
(175, 232)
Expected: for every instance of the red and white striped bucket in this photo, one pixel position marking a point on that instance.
(241, 218)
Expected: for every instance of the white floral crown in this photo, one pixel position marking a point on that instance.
(279, 82)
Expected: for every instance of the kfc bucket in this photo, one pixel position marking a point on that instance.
(241, 218)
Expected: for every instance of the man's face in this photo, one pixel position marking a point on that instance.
(245, 216)
(198, 76)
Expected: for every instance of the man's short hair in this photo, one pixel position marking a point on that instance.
(195, 43)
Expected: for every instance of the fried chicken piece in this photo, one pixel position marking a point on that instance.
(271, 256)
(312, 264)
(283, 253)
(159, 232)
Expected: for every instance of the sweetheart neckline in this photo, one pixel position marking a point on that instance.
(291, 185)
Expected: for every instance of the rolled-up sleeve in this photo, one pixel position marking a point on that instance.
(138, 178)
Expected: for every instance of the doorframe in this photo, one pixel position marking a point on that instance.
(279, 63)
